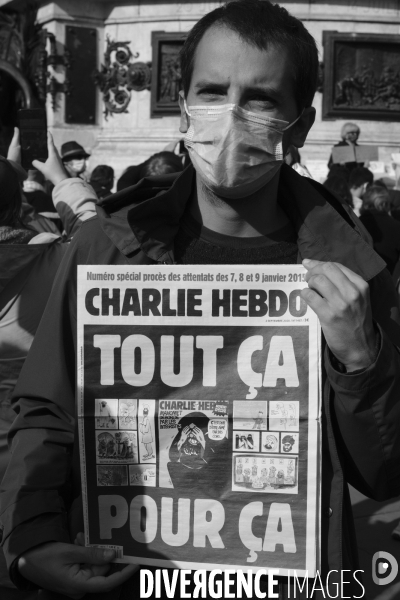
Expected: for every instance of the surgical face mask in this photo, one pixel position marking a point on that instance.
(77, 165)
(235, 152)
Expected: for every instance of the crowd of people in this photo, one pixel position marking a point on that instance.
(230, 199)
(375, 201)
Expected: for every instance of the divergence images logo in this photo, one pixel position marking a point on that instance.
(384, 568)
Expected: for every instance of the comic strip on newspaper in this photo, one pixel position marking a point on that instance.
(199, 415)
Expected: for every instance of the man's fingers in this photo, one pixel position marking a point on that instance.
(91, 555)
(325, 288)
(80, 539)
(105, 584)
(354, 278)
(51, 146)
(39, 166)
(314, 301)
(335, 271)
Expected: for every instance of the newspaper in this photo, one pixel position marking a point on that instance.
(199, 415)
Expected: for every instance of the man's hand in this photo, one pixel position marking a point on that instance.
(14, 149)
(340, 298)
(199, 435)
(183, 438)
(53, 169)
(72, 569)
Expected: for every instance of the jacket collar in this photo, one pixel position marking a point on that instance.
(147, 217)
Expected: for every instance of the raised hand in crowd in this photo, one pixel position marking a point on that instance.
(53, 169)
(14, 149)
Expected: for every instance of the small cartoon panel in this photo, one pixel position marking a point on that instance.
(127, 410)
(250, 415)
(264, 473)
(116, 447)
(106, 412)
(244, 441)
(146, 431)
(112, 475)
(289, 443)
(143, 475)
(284, 416)
(270, 441)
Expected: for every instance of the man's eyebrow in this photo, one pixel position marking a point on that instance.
(256, 89)
(205, 83)
(266, 91)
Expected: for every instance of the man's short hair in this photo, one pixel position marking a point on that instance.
(161, 163)
(359, 176)
(261, 24)
(102, 174)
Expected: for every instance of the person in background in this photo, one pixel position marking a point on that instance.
(384, 230)
(293, 159)
(161, 163)
(74, 158)
(350, 133)
(131, 176)
(37, 197)
(179, 149)
(339, 187)
(360, 178)
(338, 170)
(29, 216)
(28, 264)
(102, 180)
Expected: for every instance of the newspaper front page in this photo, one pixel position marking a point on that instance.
(199, 416)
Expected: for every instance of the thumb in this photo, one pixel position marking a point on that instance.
(92, 555)
(310, 263)
(15, 138)
(39, 166)
(50, 144)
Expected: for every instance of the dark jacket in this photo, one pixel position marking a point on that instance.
(385, 233)
(41, 499)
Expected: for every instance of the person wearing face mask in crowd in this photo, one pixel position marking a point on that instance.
(249, 72)
(74, 158)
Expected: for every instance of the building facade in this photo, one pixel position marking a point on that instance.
(130, 113)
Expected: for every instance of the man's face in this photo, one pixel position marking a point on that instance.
(76, 165)
(228, 70)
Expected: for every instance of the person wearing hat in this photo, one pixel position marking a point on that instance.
(74, 158)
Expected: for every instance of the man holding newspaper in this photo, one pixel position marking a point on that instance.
(249, 76)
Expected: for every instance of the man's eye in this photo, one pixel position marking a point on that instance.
(211, 93)
(262, 101)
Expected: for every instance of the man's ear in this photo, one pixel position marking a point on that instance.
(184, 122)
(300, 130)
